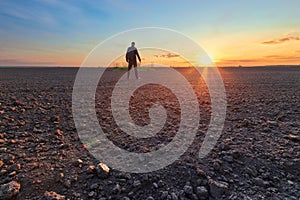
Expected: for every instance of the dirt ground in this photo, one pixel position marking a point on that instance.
(256, 157)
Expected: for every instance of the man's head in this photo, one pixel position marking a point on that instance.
(132, 44)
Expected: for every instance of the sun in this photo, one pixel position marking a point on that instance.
(206, 60)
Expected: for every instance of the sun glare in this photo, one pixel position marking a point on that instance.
(206, 60)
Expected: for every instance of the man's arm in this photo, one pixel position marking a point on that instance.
(137, 53)
(127, 59)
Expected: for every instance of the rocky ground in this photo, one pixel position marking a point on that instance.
(257, 156)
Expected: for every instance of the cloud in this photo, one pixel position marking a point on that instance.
(47, 14)
(282, 40)
(63, 5)
(240, 61)
(16, 62)
(260, 59)
(36, 14)
(265, 60)
(168, 55)
(275, 56)
(280, 57)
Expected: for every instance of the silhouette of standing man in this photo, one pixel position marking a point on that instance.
(131, 55)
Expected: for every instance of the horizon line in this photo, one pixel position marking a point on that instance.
(70, 66)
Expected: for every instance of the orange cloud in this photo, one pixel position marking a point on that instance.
(168, 55)
(279, 57)
(281, 40)
(238, 62)
(265, 60)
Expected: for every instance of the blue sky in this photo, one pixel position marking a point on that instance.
(53, 32)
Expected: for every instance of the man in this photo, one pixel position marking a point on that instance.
(131, 55)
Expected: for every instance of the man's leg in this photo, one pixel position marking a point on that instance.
(129, 68)
(136, 72)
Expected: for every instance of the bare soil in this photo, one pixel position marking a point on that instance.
(257, 156)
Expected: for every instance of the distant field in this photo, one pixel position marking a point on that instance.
(257, 155)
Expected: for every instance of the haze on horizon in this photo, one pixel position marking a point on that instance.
(233, 33)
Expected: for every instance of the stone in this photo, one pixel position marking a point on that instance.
(201, 173)
(9, 190)
(94, 186)
(216, 165)
(12, 141)
(55, 118)
(61, 175)
(174, 196)
(78, 163)
(13, 173)
(217, 189)
(131, 194)
(102, 170)
(15, 167)
(92, 169)
(136, 183)
(3, 149)
(228, 159)
(59, 132)
(91, 194)
(17, 103)
(271, 122)
(116, 189)
(76, 194)
(53, 196)
(160, 183)
(194, 197)
(202, 192)
(164, 194)
(188, 189)
(259, 182)
(251, 171)
(67, 183)
(292, 137)
(236, 154)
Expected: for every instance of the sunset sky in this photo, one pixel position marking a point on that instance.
(62, 33)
